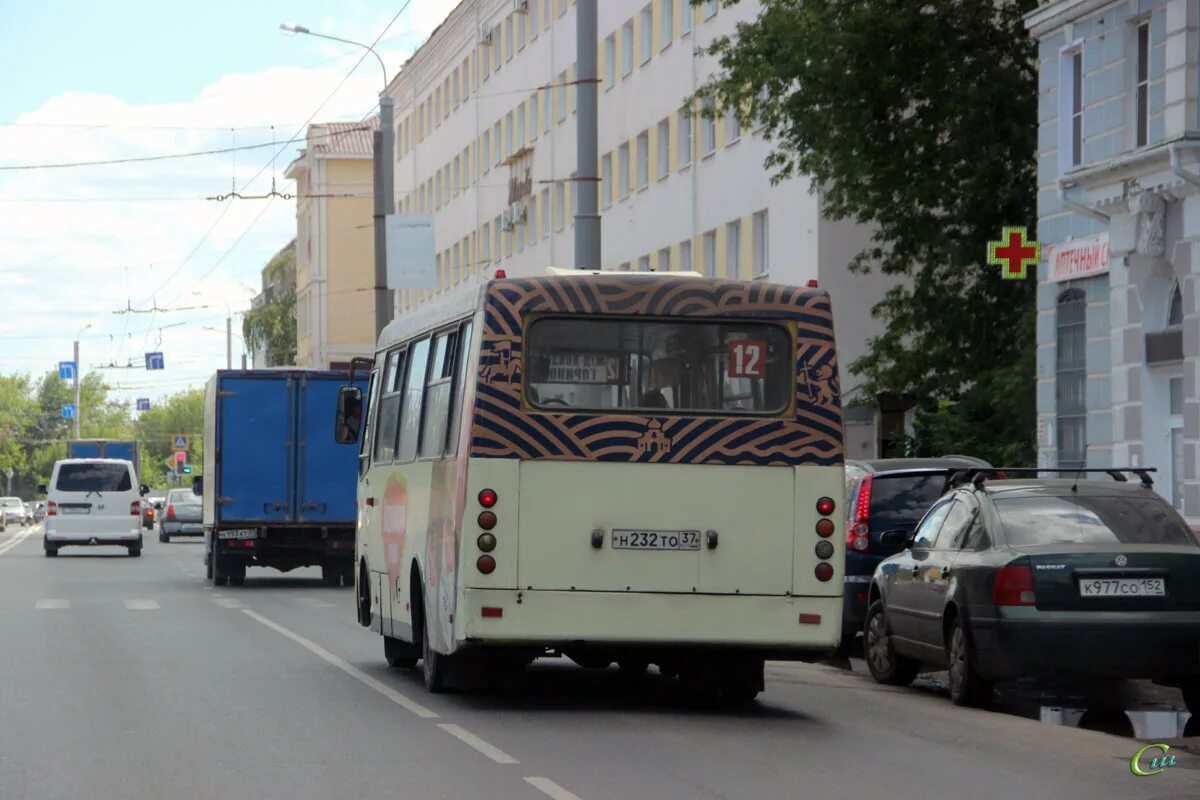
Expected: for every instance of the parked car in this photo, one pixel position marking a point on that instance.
(1043, 578)
(14, 510)
(93, 501)
(183, 517)
(886, 494)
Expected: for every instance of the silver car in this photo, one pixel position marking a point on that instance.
(181, 515)
(14, 510)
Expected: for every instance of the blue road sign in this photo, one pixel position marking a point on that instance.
(180, 441)
(154, 361)
(68, 411)
(143, 404)
(66, 370)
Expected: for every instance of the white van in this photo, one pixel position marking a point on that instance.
(93, 502)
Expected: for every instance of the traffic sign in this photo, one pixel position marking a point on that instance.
(154, 361)
(66, 370)
(143, 404)
(179, 441)
(68, 410)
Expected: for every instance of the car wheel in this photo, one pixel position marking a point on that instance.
(135, 552)
(886, 665)
(966, 687)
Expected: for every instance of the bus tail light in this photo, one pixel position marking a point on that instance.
(51, 509)
(826, 506)
(810, 619)
(485, 564)
(824, 549)
(492, 612)
(135, 508)
(487, 498)
(487, 520)
(824, 528)
(486, 542)
(823, 571)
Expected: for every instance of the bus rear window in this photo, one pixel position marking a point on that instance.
(658, 366)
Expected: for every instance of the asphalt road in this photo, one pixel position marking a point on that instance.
(125, 678)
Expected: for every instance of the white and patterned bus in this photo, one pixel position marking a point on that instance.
(617, 467)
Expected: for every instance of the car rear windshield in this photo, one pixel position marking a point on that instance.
(94, 478)
(183, 497)
(1091, 520)
(11, 502)
(660, 366)
(899, 501)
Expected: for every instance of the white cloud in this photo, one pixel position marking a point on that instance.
(66, 265)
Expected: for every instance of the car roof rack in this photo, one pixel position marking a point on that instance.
(977, 475)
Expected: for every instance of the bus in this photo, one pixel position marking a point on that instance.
(629, 468)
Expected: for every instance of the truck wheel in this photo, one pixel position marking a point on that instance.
(216, 570)
(399, 655)
(237, 575)
(331, 574)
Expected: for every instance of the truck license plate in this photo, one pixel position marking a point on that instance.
(655, 540)
(244, 533)
(1123, 587)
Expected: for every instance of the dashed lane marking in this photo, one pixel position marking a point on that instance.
(228, 602)
(382, 688)
(52, 604)
(552, 789)
(138, 604)
(488, 749)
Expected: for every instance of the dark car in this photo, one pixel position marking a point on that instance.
(1061, 578)
(182, 516)
(886, 494)
(150, 511)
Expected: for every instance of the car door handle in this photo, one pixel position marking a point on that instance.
(916, 569)
(945, 572)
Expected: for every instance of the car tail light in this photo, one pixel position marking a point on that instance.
(487, 520)
(858, 536)
(487, 498)
(485, 564)
(823, 571)
(171, 511)
(1014, 586)
(135, 508)
(501, 273)
(826, 506)
(51, 509)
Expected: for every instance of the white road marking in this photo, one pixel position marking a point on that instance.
(391, 694)
(552, 789)
(16, 540)
(228, 602)
(52, 604)
(488, 749)
(141, 605)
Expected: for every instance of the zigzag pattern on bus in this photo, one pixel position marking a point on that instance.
(504, 428)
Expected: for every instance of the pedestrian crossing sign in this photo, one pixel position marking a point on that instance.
(180, 441)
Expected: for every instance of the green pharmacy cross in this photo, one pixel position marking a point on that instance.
(1015, 253)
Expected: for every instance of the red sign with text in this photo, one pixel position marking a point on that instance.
(747, 358)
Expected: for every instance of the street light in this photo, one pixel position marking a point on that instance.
(77, 368)
(228, 331)
(385, 187)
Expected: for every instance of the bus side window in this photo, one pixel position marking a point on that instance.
(461, 366)
(364, 444)
(388, 408)
(437, 395)
(410, 416)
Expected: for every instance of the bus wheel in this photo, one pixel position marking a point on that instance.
(399, 655)
(742, 679)
(364, 595)
(433, 664)
(633, 665)
(331, 574)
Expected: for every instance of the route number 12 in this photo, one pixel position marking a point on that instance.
(747, 358)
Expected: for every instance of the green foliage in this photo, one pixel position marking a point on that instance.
(918, 119)
(182, 412)
(273, 324)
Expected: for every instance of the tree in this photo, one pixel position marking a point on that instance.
(273, 324)
(182, 412)
(918, 119)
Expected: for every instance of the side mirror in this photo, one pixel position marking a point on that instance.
(348, 422)
(144, 490)
(198, 485)
(895, 540)
(42, 488)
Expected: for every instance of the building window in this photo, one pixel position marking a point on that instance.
(560, 206)
(1175, 308)
(485, 243)
(1071, 110)
(685, 248)
(509, 143)
(1142, 83)
(685, 139)
(546, 103)
(624, 267)
(710, 8)
(708, 129)
(497, 144)
(664, 258)
(644, 264)
(1071, 379)
(685, 17)
(533, 117)
(520, 31)
(666, 24)
(664, 149)
(733, 126)
(627, 48)
(709, 254)
(606, 181)
(610, 61)
(520, 128)
(647, 32)
(623, 171)
(561, 89)
(760, 235)
(547, 17)
(544, 210)
(643, 160)
(733, 249)
(508, 38)
(485, 151)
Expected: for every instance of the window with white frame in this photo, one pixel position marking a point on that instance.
(663, 148)
(455, 86)
(1070, 128)
(664, 259)
(643, 160)
(560, 206)
(533, 117)
(733, 249)
(1142, 85)
(623, 171)
(708, 252)
(685, 139)
(708, 129)
(643, 264)
(685, 255)
(627, 48)
(520, 114)
(761, 238)
(485, 151)
(509, 144)
(508, 38)
(666, 24)
(547, 14)
(561, 102)
(685, 17)
(546, 103)
(710, 8)
(485, 243)
(647, 31)
(606, 181)
(610, 61)
(520, 22)
(508, 243)
(533, 20)
(733, 126)
(544, 209)
(497, 144)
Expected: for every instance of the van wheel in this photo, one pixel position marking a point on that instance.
(886, 665)
(433, 664)
(966, 687)
(51, 552)
(135, 552)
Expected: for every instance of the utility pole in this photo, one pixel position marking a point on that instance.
(587, 216)
(77, 368)
(228, 341)
(385, 172)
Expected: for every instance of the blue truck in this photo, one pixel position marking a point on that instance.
(278, 490)
(126, 449)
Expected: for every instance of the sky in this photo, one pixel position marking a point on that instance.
(87, 81)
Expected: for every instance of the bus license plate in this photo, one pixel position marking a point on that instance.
(1123, 587)
(655, 540)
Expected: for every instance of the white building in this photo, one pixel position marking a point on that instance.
(485, 142)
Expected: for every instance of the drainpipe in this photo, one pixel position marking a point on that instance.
(1079, 208)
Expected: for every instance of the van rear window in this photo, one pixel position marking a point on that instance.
(94, 478)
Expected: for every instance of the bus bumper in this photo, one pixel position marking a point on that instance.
(801, 628)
